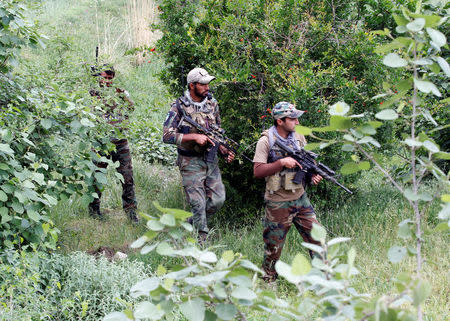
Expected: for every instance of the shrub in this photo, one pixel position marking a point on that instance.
(38, 286)
(263, 52)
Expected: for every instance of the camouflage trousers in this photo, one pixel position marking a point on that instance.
(203, 188)
(123, 156)
(278, 221)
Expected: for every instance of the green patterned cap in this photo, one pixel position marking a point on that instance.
(285, 109)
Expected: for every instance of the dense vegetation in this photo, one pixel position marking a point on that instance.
(260, 55)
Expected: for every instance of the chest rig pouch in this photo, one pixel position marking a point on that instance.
(203, 116)
(284, 178)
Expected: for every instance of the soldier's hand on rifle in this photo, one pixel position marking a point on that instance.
(202, 140)
(316, 178)
(229, 154)
(289, 162)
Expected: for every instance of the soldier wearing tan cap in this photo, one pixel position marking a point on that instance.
(202, 181)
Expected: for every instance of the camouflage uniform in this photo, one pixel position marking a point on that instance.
(286, 202)
(201, 180)
(114, 116)
(278, 221)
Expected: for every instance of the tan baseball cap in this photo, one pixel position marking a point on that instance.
(199, 75)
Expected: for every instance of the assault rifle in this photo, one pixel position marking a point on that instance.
(215, 133)
(309, 165)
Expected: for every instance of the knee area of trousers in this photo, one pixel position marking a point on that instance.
(218, 201)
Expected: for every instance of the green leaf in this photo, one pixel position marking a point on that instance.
(426, 87)
(148, 248)
(33, 215)
(394, 60)
(139, 242)
(46, 123)
(147, 310)
(193, 310)
(441, 227)
(168, 219)
(226, 311)
(387, 114)
(313, 247)
(404, 230)
(442, 155)
(144, 287)
(437, 37)
(416, 25)
(116, 316)
(228, 256)
(351, 256)
(388, 47)
(445, 198)
(409, 194)
(431, 146)
(155, 225)
(400, 20)
(17, 207)
(86, 122)
(177, 213)
(300, 265)
(340, 122)
(348, 148)
(338, 240)
(430, 20)
(349, 168)
(318, 232)
(210, 316)
(444, 65)
(421, 292)
(3, 196)
(396, 254)
(101, 178)
(243, 293)
(6, 149)
(312, 146)
(302, 130)
(412, 143)
(164, 249)
(340, 109)
(4, 214)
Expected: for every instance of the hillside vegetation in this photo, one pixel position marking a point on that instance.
(66, 277)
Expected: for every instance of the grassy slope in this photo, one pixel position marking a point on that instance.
(370, 217)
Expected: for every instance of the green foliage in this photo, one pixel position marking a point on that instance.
(207, 286)
(263, 52)
(16, 32)
(38, 286)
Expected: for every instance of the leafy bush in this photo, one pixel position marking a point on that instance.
(148, 145)
(306, 52)
(38, 286)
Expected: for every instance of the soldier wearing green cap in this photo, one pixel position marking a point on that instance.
(286, 202)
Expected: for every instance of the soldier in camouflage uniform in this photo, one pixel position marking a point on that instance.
(114, 115)
(286, 202)
(201, 179)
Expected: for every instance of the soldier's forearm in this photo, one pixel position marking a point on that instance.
(261, 170)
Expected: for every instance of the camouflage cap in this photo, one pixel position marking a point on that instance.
(199, 75)
(285, 109)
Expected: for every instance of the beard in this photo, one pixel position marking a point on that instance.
(200, 93)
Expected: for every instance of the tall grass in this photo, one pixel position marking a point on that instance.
(141, 15)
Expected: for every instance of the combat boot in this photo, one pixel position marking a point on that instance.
(94, 211)
(202, 236)
(131, 213)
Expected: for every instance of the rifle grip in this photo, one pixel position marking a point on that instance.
(299, 177)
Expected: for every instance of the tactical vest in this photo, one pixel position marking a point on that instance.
(282, 179)
(204, 116)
